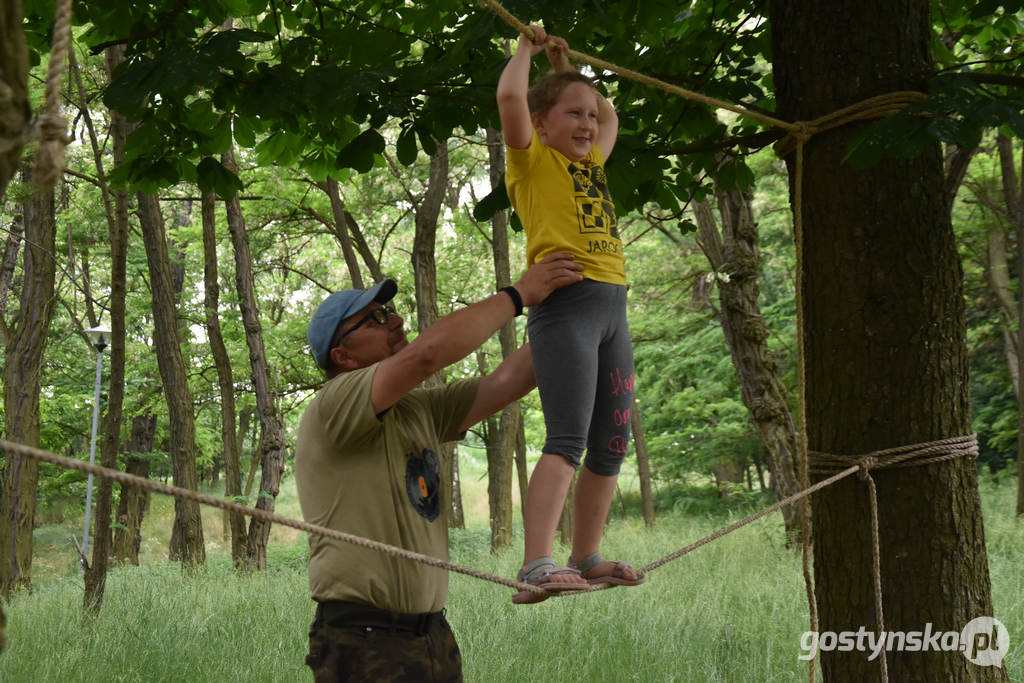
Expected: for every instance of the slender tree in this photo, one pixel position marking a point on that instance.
(188, 527)
(732, 250)
(272, 442)
(25, 340)
(116, 210)
(225, 379)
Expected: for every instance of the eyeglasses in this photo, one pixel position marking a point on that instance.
(378, 315)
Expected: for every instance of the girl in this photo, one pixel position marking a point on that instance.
(559, 134)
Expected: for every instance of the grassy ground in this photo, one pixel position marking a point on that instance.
(731, 611)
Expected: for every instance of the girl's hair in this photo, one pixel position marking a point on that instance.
(547, 89)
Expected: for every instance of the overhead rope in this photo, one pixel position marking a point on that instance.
(52, 129)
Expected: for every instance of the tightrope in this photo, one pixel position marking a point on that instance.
(230, 506)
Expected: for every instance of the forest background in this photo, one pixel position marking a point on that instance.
(233, 162)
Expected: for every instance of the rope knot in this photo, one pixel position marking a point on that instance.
(803, 131)
(866, 464)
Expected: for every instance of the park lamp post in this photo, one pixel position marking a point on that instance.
(99, 337)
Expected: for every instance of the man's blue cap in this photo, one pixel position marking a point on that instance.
(336, 308)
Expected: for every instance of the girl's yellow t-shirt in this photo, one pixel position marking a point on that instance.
(565, 206)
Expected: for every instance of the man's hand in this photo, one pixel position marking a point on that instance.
(553, 271)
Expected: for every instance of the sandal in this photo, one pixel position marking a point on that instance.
(615, 578)
(538, 573)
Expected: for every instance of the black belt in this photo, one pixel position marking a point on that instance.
(353, 614)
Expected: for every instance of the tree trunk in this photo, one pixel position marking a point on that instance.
(643, 466)
(188, 525)
(117, 231)
(225, 380)
(272, 443)
(428, 209)
(884, 333)
(14, 103)
(734, 257)
(330, 187)
(12, 246)
(500, 456)
(25, 341)
(131, 507)
(1013, 192)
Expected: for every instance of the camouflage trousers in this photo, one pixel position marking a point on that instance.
(367, 644)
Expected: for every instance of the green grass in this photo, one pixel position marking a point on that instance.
(733, 610)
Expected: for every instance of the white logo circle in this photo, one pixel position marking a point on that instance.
(985, 641)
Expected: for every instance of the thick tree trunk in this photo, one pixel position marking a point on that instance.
(500, 454)
(14, 104)
(131, 507)
(25, 341)
(272, 442)
(225, 380)
(884, 333)
(733, 252)
(117, 231)
(188, 526)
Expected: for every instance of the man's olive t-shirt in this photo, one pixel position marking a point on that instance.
(378, 478)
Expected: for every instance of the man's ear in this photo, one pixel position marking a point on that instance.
(341, 360)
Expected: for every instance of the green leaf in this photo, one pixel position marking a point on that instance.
(495, 201)
(405, 148)
(360, 153)
(212, 175)
(218, 140)
(245, 136)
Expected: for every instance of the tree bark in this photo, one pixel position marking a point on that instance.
(131, 507)
(884, 333)
(225, 380)
(330, 187)
(500, 454)
(643, 466)
(734, 256)
(1013, 193)
(23, 357)
(272, 443)
(188, 526)
(14, 102)
(12, 246)
(428, 209)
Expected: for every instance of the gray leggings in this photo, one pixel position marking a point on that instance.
(583, 360)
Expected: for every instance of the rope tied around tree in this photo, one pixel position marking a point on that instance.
(51, 128)
(914, 455)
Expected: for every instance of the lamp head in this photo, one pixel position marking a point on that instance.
(99, 337)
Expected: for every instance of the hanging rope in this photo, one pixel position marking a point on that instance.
(52, 129)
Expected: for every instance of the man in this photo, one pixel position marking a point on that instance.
(366, 462)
